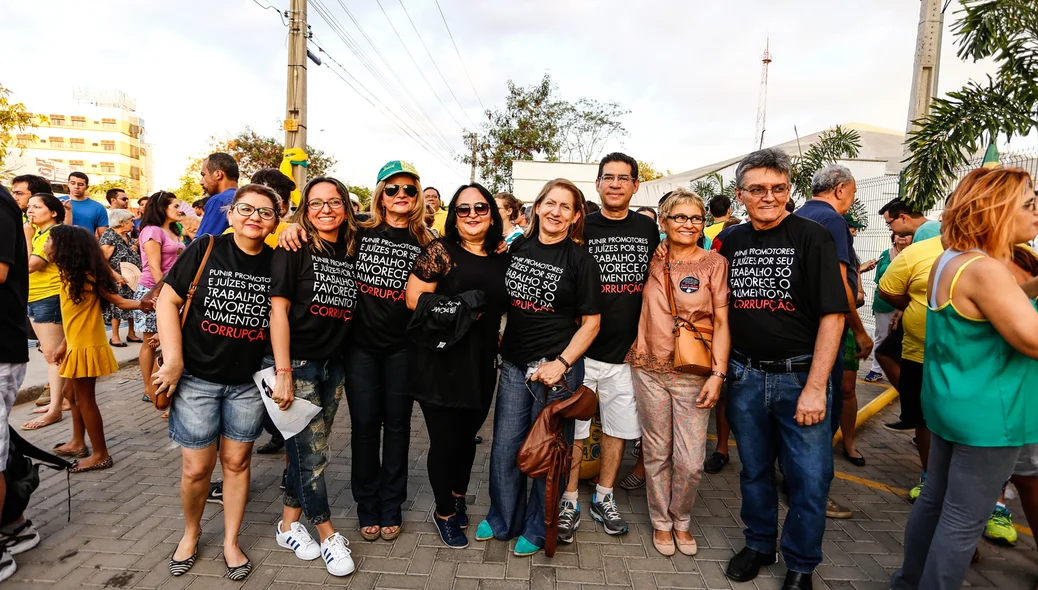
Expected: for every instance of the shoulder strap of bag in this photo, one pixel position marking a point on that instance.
(678, 320)
(194, 283)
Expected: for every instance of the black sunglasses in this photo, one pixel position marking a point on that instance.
(409, 189)
(481, 209)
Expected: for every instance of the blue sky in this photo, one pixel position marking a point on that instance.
(688, 70)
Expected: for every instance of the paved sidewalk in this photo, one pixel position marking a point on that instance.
(127, 520)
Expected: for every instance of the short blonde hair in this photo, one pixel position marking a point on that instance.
(681, 196)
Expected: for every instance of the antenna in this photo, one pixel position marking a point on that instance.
(762, 103)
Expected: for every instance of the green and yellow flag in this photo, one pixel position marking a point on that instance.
(991, 157)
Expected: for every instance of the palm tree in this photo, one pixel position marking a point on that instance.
(832, 145)
(967, 120)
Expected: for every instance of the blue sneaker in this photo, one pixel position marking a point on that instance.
(460, 511)
(524, 548)
(450, 532)
(484, 532)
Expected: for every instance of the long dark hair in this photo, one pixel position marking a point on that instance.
(53, 205)
(155, 211)
(348, 229)
(80, 261)
(495, 234)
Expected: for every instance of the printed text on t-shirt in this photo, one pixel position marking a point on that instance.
(335, 292)
(383, 267)
(532, 284)
(759, 278)
(236, 305)
(622, 262)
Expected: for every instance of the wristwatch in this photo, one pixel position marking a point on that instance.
(720, 374)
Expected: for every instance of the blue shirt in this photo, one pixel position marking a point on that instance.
(824, 213)
(89, 214)
(930, 229)
(214, 220)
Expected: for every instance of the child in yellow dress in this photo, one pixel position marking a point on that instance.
(87, 283)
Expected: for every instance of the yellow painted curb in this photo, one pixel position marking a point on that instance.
(869, 410)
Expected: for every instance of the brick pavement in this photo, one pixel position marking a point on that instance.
(127, 520)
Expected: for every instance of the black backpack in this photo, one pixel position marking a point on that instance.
(23, 476)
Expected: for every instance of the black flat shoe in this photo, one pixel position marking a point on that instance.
(747, 563)
(238, 572)
(856, 461)
(797, 581)
(715, 463)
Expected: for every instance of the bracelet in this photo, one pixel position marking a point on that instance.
(564, 363)
(720, 374)
(284, 370)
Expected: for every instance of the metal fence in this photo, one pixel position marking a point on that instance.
(876, 192)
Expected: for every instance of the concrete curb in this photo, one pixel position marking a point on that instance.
(871, 409)
(32, 392)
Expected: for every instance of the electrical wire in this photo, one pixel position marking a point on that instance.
(431, 58)
(275, 9)
(456, 51)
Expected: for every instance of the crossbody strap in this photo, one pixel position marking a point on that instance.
(194, 283)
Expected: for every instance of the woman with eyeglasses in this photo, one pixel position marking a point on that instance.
(313, 295)
(674, 407)
(454, 385)
(554, 290)
(208, 365)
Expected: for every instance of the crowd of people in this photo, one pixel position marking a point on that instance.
(487, 303)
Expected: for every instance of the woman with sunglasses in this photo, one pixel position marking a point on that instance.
(313, 294)
(553, 284)
(454, 386)
(209, 363)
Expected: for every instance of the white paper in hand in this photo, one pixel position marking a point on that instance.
(289, 422)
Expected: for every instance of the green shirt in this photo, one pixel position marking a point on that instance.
(878, 305)
(930, 229)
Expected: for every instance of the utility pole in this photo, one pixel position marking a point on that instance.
(927, 60)
(295, 100)
(472, 176)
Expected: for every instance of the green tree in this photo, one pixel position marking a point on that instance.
(363, 192)
(15, 120)
(713, 185)
(647, 171)
(99, 190)
(832, 145)
(587, 126)
(967, 120)
(254, 151)
(189, 189)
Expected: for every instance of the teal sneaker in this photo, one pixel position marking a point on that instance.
(1000, 527)
(484, 532)
(524, 548)
(914, 493)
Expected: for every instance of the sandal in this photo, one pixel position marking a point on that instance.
(37, 423)
(239, 572)
(369, 535)
(391, 535)
(632, 482)
(106, 464)
(80, 454)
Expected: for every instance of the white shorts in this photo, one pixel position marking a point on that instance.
(616, 403)
(11, 377)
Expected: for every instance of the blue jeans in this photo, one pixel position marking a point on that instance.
(379, 400)
(203, 411)
(519, 403)
(320, 383)
(761, 411)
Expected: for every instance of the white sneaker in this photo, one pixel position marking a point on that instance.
(299, 540)
(19, 538)
(336, 552)
(8, 566)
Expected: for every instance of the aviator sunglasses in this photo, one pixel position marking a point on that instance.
(409, 189)
(480, 209)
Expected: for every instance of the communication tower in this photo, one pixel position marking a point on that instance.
(762, 103)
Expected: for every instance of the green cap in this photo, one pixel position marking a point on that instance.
(396, 167)
(853, 221)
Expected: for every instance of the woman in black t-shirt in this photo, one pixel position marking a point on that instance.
(454, 385)
(554, 290)
(209, 364)
(313, 294)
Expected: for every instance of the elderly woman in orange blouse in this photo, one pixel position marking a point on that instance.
(674, 407)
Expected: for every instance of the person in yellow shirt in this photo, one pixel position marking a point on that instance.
(283, 186)
(721, 211)
(904, 286)
(432, 197)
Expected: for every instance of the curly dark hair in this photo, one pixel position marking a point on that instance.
(80, 261)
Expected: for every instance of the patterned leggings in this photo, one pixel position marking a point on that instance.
(673, 444)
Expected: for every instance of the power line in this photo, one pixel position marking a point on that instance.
(431, 58)
(274, 8)
(451, 35)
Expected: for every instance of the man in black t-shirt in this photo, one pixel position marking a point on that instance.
(622, 243)
(786, 321)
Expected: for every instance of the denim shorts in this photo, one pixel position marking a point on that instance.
(203, 411)
(46, 310)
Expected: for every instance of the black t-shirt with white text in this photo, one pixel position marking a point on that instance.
(385, 256)
(323, 292)
(226, 331)
(549, 287)
(623, 250)
(782, 281)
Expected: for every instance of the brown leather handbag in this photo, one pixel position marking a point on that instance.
(692, 343)
(162, 400)
(546, 453)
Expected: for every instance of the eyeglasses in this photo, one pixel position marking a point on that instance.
(409, 189)
(317, 204)
(682, 219)
(246, 210)
(758, 192)
(480, 209)
(611, 178)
